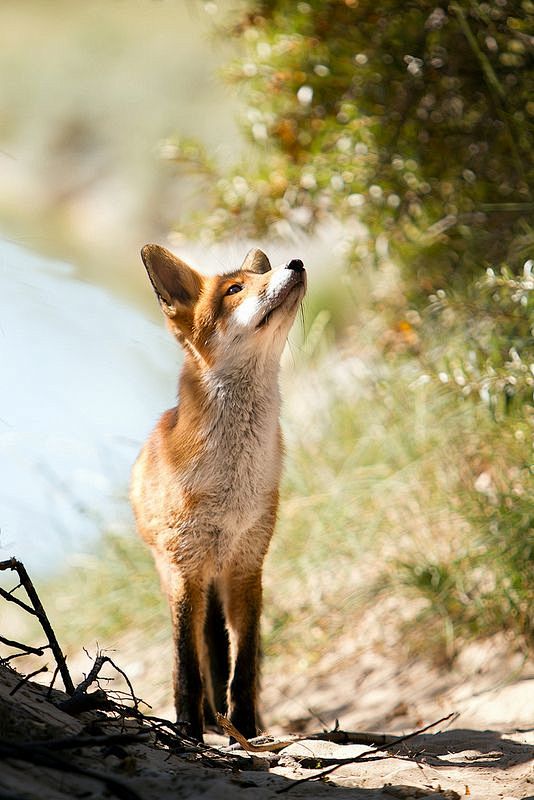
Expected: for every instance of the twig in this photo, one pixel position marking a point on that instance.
(80, 700)
(90, 678)
(168, 733)
(26, 678)
(10, 597)
(38, 651)
(337, 736)
(245, 743)
(54, 676)
(354, 737)
(24, 578)
(135, 699)
(363, 756)
(93, 701)
(9, 659)
(311, 762)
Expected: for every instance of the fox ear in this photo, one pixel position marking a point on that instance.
(256, 261)
(175, 283)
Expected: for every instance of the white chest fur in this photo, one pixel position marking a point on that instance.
(238, 466)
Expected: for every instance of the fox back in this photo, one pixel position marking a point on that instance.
(205, 486)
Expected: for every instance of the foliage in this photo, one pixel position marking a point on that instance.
(415, 118)
(424, 452)
(480, 348)
(494, 318)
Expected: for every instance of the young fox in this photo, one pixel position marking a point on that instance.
(205, 486)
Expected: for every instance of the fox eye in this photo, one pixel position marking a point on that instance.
(234, 288)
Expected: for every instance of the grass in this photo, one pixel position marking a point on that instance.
(395, 484)
(367, 480)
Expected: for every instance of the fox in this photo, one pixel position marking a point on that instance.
(205, 486)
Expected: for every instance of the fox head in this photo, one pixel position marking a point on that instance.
(232, 317)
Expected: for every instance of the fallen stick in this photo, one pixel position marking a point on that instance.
(354, 737)
(167, 732)
(26, 678)
(40, 613)
(87, 701)
(245, 743)
(80, 700)
(363, 756)
(336, 736)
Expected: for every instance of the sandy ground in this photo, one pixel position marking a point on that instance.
(450, 764)
(486, 751)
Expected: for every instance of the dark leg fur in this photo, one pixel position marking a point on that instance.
(187, 612)
(243, 686)
(243, 608)
(218, 648)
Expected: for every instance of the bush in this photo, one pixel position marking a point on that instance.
(481, 350)
(416, 119)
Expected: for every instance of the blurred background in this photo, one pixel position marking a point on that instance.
(389, 147)
(89, 95)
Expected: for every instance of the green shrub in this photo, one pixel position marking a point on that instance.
(481, 351)
(485, 341)
(416, 119)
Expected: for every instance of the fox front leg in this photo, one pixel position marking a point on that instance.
(187, 603)
(242, 601)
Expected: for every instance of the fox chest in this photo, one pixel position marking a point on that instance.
(215, 508)
(223, 505)
(235, 475)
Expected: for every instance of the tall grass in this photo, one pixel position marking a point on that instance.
(397, 482)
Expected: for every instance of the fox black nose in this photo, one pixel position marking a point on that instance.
(295, 264)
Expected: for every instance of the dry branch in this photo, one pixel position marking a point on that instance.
(365, 755)
(26, 678)
(11, 598)
(246, 744)
(37, 651)
(80, 700)
(38, 609)
(51, 686)
(337, 736)
(87, 701)
(354, 737)
(150, 727)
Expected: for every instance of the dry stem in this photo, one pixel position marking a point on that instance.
(38, 610)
